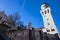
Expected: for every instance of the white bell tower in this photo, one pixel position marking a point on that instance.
(49, 25)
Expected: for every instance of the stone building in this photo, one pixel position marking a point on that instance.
(9, 32)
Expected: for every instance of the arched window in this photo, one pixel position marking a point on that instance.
(42, 13)
(45, 12)
(48, 23)
(48, 10)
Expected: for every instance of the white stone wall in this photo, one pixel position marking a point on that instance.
(48, 20)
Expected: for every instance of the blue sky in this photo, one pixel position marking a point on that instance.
(29, 10)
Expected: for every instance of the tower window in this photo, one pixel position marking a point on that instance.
(42, 13)
(45, 12)
(48, 24)
(47, 19)
(48, 10)
(48, 30)
(52, 29)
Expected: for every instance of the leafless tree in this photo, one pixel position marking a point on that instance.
(14, 19)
